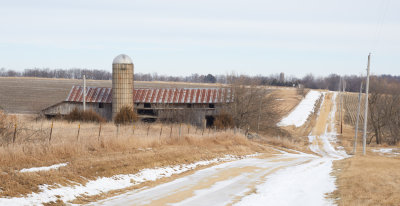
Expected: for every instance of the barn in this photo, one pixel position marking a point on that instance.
(195, 105)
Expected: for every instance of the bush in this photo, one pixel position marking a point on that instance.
(6, 126)
(125, 116)
(84, 116)
(223, 121)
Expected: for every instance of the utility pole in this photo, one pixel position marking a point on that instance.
(358, 119)
(84, 92)
(366, 106)
(340, 96)
(259, 116)
(341, 106)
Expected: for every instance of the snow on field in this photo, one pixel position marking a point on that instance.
(39, 169)
(300, 114)
(51, 193)
(387, 151)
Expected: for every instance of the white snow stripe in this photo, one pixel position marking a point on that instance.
(301, 113)
(38, 169)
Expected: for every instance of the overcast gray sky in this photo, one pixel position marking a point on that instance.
(181, 37)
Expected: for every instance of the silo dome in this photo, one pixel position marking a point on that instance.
(122, 59)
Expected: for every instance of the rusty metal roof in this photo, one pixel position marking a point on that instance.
(155, 95)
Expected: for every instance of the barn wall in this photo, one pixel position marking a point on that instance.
(65, 108)
(193, 113)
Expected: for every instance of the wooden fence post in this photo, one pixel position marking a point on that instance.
(161, 131)
(98, 138)
(188, 129)
(202, 132)
(79, 128)
(170, 133)
(180, 127)
(117, 130)
(148, 128)
(15, 132)
(51, 130)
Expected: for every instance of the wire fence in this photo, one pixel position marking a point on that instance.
(62, 131)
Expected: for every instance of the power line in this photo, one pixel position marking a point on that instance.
(379, 25)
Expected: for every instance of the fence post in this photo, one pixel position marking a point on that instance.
(51, 130)
(180, 127)
(148, 128)
(98, 138)
(117, 130)
(79, 128)
(170, 133)
(161, 131)
(202, 132)
(15, 132)
(188, 129)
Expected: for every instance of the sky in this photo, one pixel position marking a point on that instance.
(181, 37)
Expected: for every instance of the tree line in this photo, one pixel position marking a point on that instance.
(330, 82)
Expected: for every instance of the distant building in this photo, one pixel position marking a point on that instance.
(151, 104)
(282, 77)
(197, 106)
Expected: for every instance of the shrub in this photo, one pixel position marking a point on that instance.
(6, 126)
(223, 121)
(125, 116)
(84, 116)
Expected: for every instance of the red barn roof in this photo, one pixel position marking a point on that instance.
(155, 95)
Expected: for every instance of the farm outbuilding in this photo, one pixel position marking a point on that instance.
(194, 105)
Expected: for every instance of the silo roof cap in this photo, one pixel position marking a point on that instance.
(122, 59)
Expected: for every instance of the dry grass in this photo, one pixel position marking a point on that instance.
(287, 142)
(368, 180)
(118, 151)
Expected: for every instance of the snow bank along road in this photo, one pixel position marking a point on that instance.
(284, 179)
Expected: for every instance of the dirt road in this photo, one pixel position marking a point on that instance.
(285, 179)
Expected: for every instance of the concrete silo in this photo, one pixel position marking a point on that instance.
(122, 83)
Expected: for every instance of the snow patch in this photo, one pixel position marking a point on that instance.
(304, 184)
(301, 113)
(387, 151)
(39, 169)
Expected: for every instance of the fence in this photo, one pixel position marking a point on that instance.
(61, 131)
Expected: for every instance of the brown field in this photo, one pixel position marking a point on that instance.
(125, 152)
(368, 180)
(350, 103)
(31, 95)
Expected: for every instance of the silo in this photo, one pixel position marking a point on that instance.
(122, 83)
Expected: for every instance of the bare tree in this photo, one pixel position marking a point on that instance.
(251, 104)
(384, 110)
